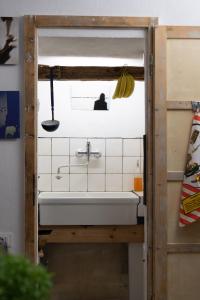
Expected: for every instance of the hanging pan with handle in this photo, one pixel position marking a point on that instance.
(51, 125)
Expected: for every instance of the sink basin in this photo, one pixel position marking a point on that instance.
(88, 208)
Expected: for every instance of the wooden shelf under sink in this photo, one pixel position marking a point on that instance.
(91, 234)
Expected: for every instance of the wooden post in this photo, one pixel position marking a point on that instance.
(159, 169)
(30, 61)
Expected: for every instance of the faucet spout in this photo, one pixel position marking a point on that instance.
(88, 151)
(58, 171)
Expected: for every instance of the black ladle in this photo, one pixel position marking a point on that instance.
(51, 125)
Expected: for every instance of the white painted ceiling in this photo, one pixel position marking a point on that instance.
(92, 47)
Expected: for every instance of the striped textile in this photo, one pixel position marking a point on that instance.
(190, 194)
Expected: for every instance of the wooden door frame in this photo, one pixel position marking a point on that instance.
(31, 25)
(162, 247)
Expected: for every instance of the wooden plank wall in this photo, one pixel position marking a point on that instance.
(183, 73)
(89, 271)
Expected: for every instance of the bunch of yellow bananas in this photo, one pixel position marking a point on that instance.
(125, 86)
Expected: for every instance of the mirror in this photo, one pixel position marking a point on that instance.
(91, 95)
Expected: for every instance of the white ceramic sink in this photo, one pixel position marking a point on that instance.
(87, 208)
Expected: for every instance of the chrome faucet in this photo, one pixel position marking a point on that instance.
(88, 152)
(80, 153)
(58, 176)
(58, 171)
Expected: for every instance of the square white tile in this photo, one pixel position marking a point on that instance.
(78, 182)
(44, 182)
(75, 167)
(113, 182)
(44, 146)
(141, 164)
(62, 184)
(96, 182)
(113, 147)
(131, 165)
(113, 165)
(60, 146)
(141, 147)
(131, 147)
(44, 164)
(77, 144)
(60, 161)
(97, 145)
(128, 182)
(96, 165)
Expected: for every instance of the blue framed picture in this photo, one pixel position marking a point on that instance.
(9, 115)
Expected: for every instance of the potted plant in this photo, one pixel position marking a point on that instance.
(21, 280)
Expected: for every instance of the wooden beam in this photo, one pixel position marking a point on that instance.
(93, 22)
(183, 248)
(88, 73)
(175, 175)
(183, 32)
(93, 234)
(179, 105)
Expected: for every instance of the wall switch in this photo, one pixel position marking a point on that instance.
(7, 238)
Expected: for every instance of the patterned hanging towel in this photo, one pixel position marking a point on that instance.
(190, 197)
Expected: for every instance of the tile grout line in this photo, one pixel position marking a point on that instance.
(69, 148)
(105, 173)
(105, 162)
(141, 157)
(51, 141)
(122, 164)
(87, 177)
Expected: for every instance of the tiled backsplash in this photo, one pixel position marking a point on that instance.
(121, 159)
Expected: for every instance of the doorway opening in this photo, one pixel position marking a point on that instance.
(116, 153)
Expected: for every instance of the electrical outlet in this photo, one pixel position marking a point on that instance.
(7, 237)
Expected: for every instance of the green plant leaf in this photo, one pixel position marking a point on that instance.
(21, 280)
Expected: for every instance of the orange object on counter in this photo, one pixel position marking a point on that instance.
(138, 184)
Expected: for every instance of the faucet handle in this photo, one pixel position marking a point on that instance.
(79, 153)
(97, 154)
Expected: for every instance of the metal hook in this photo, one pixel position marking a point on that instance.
(124, 68)
(195, 106)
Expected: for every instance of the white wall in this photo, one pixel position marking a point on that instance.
(125, 117)
(11, 78)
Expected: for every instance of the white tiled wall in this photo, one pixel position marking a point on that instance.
(121, 159)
